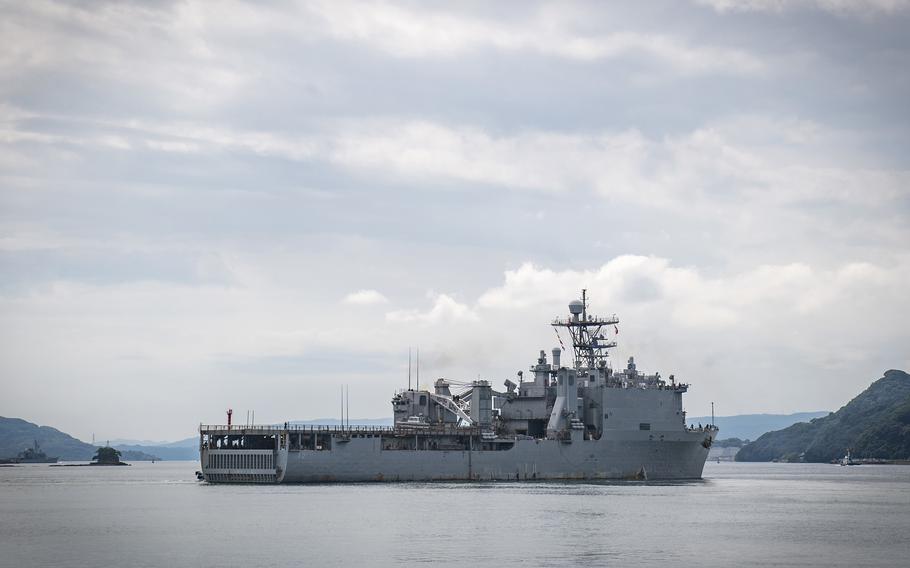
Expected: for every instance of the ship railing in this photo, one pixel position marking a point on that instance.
(595, 320)
(337, 429)
(294, 428)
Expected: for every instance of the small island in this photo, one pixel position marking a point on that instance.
(107, 455)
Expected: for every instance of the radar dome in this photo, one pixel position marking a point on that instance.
(576, 307)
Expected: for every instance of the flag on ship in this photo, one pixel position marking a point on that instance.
(558, 337)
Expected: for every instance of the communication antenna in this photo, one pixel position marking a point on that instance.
(418, 368)
(712, 413)
(409, 368)
(347, 409)
(586, 331)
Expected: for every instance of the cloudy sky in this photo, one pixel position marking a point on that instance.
(207, 205)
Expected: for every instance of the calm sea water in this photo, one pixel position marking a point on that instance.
(740, 514)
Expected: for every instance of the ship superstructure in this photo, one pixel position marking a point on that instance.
(577, 421)
(34, 455)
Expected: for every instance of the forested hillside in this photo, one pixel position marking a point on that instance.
(875, 424)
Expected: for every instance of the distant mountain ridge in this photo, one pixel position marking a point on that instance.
(162, 452)
(17, 434)
(875, 424)
(751, 426)
(186, 449)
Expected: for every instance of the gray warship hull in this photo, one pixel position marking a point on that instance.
(359, 456)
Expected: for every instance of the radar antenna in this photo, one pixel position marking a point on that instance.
(588, 339)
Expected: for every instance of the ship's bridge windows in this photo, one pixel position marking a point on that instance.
(644, 426)
(423, 400)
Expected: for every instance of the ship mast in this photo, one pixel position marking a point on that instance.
(588, 340)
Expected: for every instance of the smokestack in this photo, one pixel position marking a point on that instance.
(556, 353)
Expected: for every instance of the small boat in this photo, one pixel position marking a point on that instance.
(414, 422)
(848, 460)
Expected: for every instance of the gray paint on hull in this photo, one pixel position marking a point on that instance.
(617, 455)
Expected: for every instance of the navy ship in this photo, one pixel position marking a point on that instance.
(581, 421)
(34, 455)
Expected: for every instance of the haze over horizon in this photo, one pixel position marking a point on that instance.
(214, 205)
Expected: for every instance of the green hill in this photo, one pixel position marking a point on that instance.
(17, 434)
(875, 424)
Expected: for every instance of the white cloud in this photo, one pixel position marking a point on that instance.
(693, 300)
(407, 33)
(814, 316)
(833, 6)
(429, 150)
(754, 158)
(365, 298)
(174, 146)
(445, 309)
(137, 44)
(772, 173)
(187, 52)
(731, 158)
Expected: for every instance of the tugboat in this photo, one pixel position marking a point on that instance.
(848, 459)
(34, 455)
